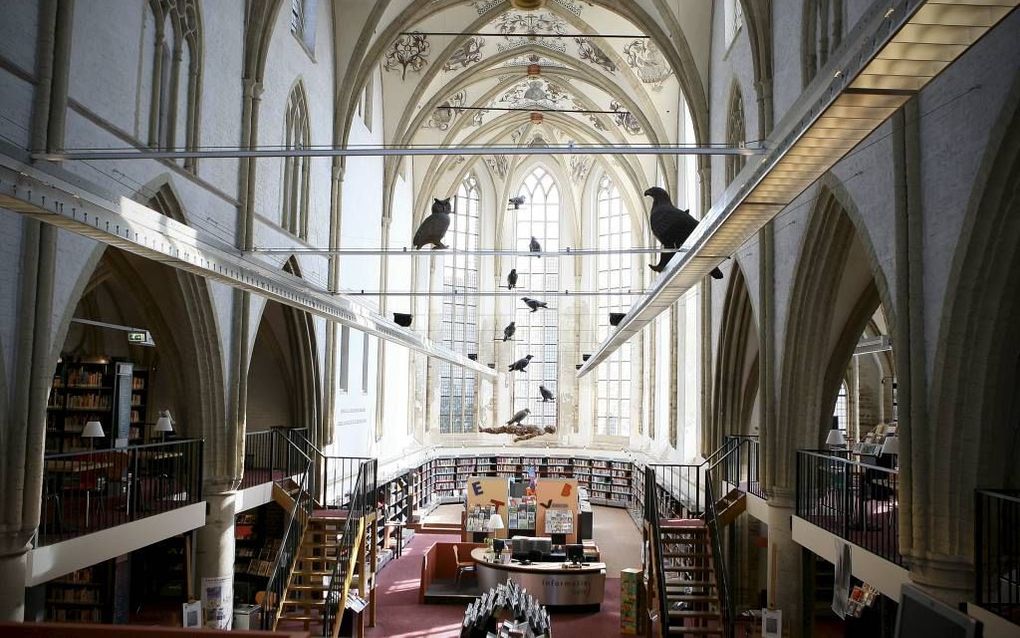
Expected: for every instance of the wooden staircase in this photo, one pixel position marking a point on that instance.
(305, 596)
(692, 594)
(730, 506)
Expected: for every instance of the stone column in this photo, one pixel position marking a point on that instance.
(215, 547)
(785, 577)
(14, 567)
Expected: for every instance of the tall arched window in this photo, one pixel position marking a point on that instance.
(294, 218)
(460, 313)
(612, 390)
(537, 335)
(735, 133)
(840, 410)
(176, 75)
(823, 33)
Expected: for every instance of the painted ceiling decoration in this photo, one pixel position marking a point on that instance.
(591, 52)
(409, 51)
(647, 62)
(466, 54)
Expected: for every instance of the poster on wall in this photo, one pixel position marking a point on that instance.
(191, 614)
(841, 586)
(772, 623)
(218, 602)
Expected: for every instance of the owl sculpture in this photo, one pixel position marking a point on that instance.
(433, 227)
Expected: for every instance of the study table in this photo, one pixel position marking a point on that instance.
(551, 583)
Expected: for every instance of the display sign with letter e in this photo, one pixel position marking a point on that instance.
(491, 491)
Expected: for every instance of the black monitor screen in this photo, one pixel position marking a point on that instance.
(575, 553)
(921, 615)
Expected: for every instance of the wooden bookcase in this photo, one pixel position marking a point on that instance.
(81, 597)
(139, 407)
(85, 390)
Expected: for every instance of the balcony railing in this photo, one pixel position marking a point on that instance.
(855, 501)
(997, 552)
(741, 466)
(84, 492)
(681, 488)
(269, 457)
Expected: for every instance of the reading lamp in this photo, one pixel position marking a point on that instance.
(93, 430)
(835, 439)
(495, 523)
(164, 423)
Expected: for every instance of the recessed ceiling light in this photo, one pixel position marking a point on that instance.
(527, 5)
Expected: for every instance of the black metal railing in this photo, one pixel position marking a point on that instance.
(84, 492)
(653, 517)
(734, 451)
(741, 469)
(333, 477)
(680, 487)
(272, 455)
(997, 552)
(361, 503)
(290, 544)
(855, 501)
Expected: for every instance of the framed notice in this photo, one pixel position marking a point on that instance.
(218, 602)
(771, 623)
(191, 614)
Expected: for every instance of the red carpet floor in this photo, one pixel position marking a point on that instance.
(400, 616)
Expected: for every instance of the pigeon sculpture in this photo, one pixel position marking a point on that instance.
(671, 226)
(534, 304)
(517, 202)
(511, 279)
(520, 364)
(518, 417)
(509, 331)
(546, 395)
(535, 247)
(433, 227)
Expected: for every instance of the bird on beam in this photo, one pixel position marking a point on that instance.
(534, 304)
(547, 396)
(535, 247)
(519, 416)
(511, 279)
(520, 364)
(509, 331)
(433, 227)
(671, 226)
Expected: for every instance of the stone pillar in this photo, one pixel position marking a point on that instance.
(214, 556)
(785, 577)
(948, 578)
(14, 567)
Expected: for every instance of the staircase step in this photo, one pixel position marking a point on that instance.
(314, 602)
(685, 568)
(685, 613)
(696, 631)
(689, 583)
(691, 598)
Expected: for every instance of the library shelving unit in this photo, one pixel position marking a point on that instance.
(139, 406)
(444, 481)
(82, 596)
(82, 391)
(396, 505)
(422, 491)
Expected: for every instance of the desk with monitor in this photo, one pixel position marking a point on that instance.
(552, 582)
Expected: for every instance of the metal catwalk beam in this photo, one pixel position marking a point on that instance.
(518, 293)
(482, 252)
(137, 229)
(95, 154)
(895, 50)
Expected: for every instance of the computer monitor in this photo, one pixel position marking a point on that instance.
(922, 615)
(575, 554)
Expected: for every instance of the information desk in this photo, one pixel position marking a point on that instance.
(552, 584)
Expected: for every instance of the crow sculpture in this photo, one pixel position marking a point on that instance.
(547, 396)
(671, 226)
(433, 227)
(517, 202)
(534, 304)
(520, 364)
(511, 279)
(509, 331)
(535, 247)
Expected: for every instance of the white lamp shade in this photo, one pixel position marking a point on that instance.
(891, 445)
(835, 438)
(93, 430)
(495, 522)
(164, 423)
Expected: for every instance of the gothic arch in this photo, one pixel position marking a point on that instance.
(736, 369)
(837, 287)
(975, 416)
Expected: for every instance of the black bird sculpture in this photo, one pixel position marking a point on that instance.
(520, 364)
(511, 279)
(547, 396)
(433, 227)
(518, 417)
(509, 331)
(671, 226)
(534, 304)
(517, 202)
(535, 247)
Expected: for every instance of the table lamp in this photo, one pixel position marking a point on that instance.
(164, 423)
(891, 445)
(496, 523)
(93, 430)
(835, 439)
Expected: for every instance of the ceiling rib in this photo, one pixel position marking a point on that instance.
(481, 252)
(137, 229)
(894, 52)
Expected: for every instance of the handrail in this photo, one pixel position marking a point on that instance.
(997, 551)
(362, 502)
(652, 516)
(289, 547)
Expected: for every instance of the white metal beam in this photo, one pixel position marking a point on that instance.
(893, 52)
(137, 229)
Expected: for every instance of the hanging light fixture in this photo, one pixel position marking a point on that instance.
(527, 5)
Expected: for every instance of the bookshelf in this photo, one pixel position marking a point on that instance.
(94, 388)
(139, 406)
(396, 506)
(80, 597)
